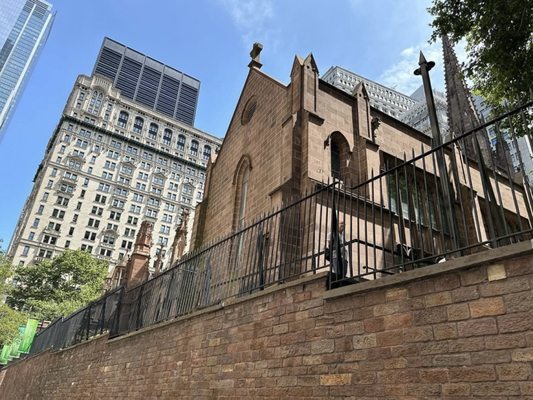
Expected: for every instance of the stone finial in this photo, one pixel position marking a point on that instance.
(144, 237)
(158, 264)
(255, 55)
(180, 238)
(137, 270)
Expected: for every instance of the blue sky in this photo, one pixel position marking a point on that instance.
(210, 40)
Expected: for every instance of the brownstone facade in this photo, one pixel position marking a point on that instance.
(458, 330)
(285, 139)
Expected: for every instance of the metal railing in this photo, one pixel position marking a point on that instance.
(455, 199)
(95, 319)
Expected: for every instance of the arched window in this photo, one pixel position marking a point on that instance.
(96, 102)
(152, 131)
(243, 198)
(207, 152)
(122, 119)
(167, 137)
(181, 142)
(339, 156)
(194, 148)
(138, 125)
(241, 183)
(335, 161)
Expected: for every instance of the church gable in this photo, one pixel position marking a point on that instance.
(256, 129)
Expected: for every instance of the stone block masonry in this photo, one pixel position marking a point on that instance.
(455, 330)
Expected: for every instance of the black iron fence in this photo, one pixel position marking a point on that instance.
(408, 211)
(95, 319)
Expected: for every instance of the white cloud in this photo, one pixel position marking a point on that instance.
(400, 75)
(253, 19)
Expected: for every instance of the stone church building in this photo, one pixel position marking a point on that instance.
(287, 140)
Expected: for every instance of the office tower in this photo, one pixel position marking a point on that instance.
(24, 28)
(411, 110)
(148, 82)
(110, 164)
(417, 115)
(383, 98)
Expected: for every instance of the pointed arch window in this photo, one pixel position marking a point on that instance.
(335, 161)
(241, 182)
(243, 198)
(339, 157)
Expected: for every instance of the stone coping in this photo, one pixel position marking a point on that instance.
(456, 264)
(226, 303)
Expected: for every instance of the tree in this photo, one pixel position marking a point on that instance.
(10, 320)
(58, 287)
(499, 41)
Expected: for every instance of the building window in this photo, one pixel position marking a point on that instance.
(45, 253)
(335, 161)
(115, 215)
(152, 131)
(86, 248)
(97, 211)
(167, 137)
(108, 239)
(207, 152)
(25, 251)
(194, 148)
(47, 239)
(89, 235)
(339, 156)
(62, 201)
(93, 223)
(122, 119)
(158, 180)
(36, 223)
(151, 213)
(138, 125)
(71, 231)
(181, 143)
(241, 193)
(106, 252)
(133, 220)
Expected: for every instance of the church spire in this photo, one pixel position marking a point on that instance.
(462, 114)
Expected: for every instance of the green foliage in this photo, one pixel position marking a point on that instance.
(58, 287)
(9, 318)
(499, 45)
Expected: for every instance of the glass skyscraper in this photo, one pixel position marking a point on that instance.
(24, 28)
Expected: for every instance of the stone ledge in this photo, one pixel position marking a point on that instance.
(226, 303)
(455, 264)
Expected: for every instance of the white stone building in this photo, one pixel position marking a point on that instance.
(110, 164)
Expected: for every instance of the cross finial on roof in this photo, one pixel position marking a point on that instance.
(255, 54)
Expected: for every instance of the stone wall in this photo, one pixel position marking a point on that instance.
(460, 329)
